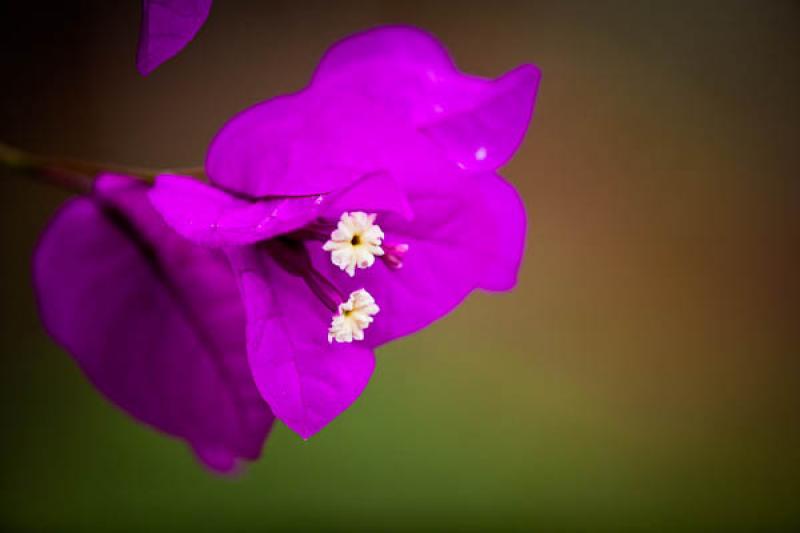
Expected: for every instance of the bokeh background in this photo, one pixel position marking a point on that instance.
(643, 376)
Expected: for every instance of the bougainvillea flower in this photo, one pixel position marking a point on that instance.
(359, 210)
(167, 27)
(154, 321)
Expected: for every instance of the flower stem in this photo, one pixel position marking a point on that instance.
(72, 174)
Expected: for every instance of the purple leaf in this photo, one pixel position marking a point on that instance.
(467, 233)
(211, 217)
(370, 94)
(480, 123)
(155, 322)
(167, 27)
(306, 380)
(401, 149)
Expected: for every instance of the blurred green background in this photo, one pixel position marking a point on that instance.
(643, 376)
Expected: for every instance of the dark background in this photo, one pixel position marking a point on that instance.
(643, 376)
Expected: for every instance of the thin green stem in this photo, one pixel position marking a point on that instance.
(73, 174)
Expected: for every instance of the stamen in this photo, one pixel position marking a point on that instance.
(394, 254)
(353, 317)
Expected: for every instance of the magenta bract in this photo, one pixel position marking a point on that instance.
(167, 27)
(154, 321)
(359, 210)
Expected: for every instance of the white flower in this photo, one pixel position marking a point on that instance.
(355, 242)
(354, 316)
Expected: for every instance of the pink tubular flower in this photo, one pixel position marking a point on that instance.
(155, 322)
(167, 27)
(359, 210)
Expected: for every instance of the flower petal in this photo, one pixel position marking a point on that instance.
(378, 191)
(480, 123)
(370, 94)
(401, 48)
(155, 322)
(211, 217)
(461, 238)
(504, 214)
(207, 215)
(307, 143)
(306, 380)
(485, 134)
(167, 27)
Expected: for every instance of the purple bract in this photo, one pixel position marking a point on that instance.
(167, 27)
(359, 210)
(155, 322)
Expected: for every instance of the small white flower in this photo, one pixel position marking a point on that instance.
(354, 316)
(355, 242)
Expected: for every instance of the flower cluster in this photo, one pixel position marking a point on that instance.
(354, 212)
